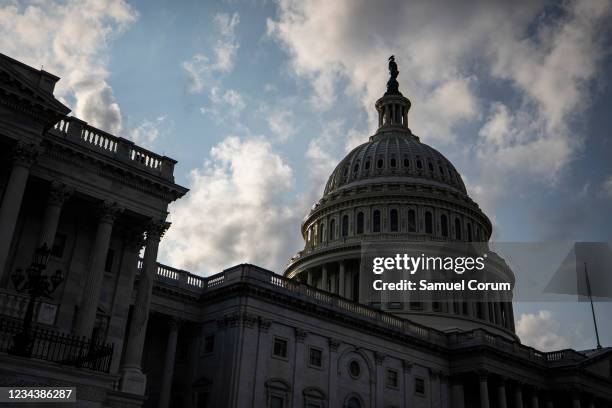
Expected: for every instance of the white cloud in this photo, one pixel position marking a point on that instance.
(445, 52)
(281, 123)
(71, 40)
(224, 104)
(202, 68)
(541, 331)
(607, 187)
(235, 212)
(147, 132)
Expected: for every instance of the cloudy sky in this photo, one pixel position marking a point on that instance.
(258, 100)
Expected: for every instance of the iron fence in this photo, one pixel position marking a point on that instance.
(57, 347)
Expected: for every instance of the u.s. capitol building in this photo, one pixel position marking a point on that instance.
(127, 331)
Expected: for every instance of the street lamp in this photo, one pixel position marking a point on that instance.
(36, 285)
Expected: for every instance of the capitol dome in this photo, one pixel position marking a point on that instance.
(395, 188)
(394, 155)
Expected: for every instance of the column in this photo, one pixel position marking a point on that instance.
(333, 372)
(497, 308)
(133, 241)
(518, 395)
(576, 400)
(324, 281)
(298, 373)
(309, 278)
(166, 385)
(58, 194)
(485, 308)
(334, 282)
(132, 378)
(457, 393)
(341, 279)
(90, 295)
(379, 358)
(501, 393)
(535, 401)
(484, 389)
(23, 157)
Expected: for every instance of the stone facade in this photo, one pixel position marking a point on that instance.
(247, 337)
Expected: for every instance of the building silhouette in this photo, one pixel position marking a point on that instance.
(127, 331)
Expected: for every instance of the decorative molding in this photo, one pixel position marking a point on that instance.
(237, 319)
(59, 193)
(25, 154)
(379, 357)
(264, 324)
(300, 335)
(156, 229)
(163, 189)
(334, 344)
(133, 238)
(108, 211)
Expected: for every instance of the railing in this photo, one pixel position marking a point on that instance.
(179, 278)
(483, 337)
(59, 348)
(117, 147)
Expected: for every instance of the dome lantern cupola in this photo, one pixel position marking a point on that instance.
(393, 106)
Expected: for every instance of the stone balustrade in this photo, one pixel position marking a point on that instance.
(116, 147)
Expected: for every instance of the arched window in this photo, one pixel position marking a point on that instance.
(376, 221)
(428, 223)
(469, 232)
(419, 164)
(352, 402)
(345, 225)
(367, 164)
(411, 221)
(360, 222)
(394, 220)
(406, 162)
(393, 162)
(356, 168)
(332, 229)
(379, 163)
(457, 228)
(355, 288)
(444, 225)
(430, 166)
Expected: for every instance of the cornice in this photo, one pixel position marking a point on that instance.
(104, 167)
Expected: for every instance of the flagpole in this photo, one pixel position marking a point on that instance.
(586, 274)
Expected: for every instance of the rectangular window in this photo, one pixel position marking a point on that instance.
(59, 244)
(202, 399)
(419, 386)
(108, 264)
(315, 357)
(209, 344)
(392, 379)
(276, 402)
(280, 348)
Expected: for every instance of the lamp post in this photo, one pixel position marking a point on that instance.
(36, 285)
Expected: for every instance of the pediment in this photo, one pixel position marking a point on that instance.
(24, 89)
